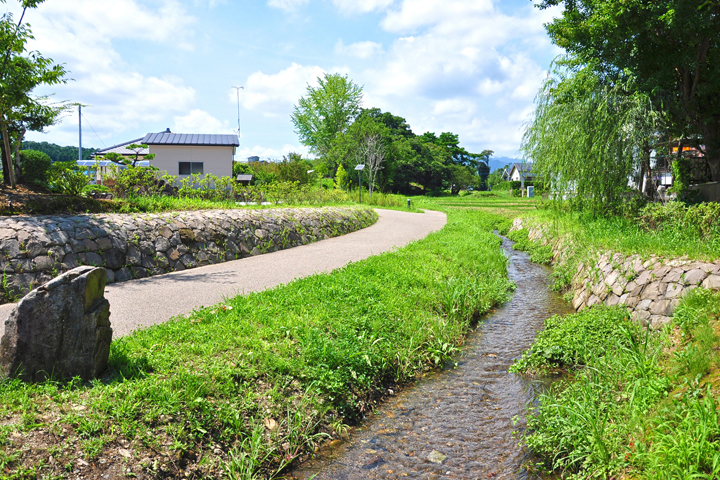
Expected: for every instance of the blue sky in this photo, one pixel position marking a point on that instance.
(471, 67)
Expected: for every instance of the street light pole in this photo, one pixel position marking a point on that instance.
(359, 169)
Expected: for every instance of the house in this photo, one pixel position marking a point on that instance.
(521, 172)
(183, 154)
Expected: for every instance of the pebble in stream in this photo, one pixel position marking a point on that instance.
(456, 424)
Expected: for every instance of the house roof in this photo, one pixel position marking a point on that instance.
(522, 167)
(244, 178)
(120, 149)
(168, 138)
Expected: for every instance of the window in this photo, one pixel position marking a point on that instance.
(188, 168)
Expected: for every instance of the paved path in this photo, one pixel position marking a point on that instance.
(140, 303)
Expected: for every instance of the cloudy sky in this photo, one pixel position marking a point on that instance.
(471, 67)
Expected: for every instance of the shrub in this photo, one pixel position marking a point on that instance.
(35, 166)
(138, 181)
(702, 219)
(67, 178)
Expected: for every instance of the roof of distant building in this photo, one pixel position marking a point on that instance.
(120, 149)
(523, 167)
(169, 138)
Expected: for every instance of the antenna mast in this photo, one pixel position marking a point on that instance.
(237, 90)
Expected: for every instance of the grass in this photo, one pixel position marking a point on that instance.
(636, 404)
(243, 389)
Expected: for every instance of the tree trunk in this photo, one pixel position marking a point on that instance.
(8, 153)
(711, 139)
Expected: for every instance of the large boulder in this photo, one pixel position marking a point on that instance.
(59, 330)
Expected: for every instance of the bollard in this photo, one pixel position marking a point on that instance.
(408, 202)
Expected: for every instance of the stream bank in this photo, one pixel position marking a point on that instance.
(456, 423)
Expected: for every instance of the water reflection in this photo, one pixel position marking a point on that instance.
(457, 423)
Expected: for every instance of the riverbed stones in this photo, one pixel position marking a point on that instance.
(59, 330)
(650, 288)
(129, 245)
(436, 457)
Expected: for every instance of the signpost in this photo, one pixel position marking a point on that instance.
(359, 169)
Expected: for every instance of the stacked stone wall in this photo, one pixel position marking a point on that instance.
(649, 287)
(33, 250)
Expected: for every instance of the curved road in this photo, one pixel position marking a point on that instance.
(140, 303)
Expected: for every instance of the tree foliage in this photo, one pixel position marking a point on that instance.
(669, 48)
(588, 138)
(21, 73)
(56, 152)
(326, 111)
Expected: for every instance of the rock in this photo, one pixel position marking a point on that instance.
(644, 305)
(695, 276)
(186, 235)
(654, 291)
(712, 282)
(579, 299)
(659, 321)
(612, 300)
(104, 243)
(123, 275)
(631, 286)
(674, 290)
(674, 275)
(623, 299)
(260, 233)
(61, 329)
(174, 255)
(162, 244)
(113, 258)
(165, 232)
(644, 278)
(45, 263)
(593, 300)
(659, 307)
(436, 457)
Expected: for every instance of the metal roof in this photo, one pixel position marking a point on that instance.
(244, 178)
(120, 149)
(105, 163)
(165, 138)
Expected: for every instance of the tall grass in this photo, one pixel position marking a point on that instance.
(636, 403)
(252, 384)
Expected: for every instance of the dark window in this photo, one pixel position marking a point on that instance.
(188, 168)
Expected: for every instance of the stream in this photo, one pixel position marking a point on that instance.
(456, 423)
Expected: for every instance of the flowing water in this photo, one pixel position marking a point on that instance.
(464, 414)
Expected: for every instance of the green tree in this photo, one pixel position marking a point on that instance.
(20, 74)
(670, 49)
(35, 166)
(341, 177)
(326, 111)
(588, 138)
(56, 152)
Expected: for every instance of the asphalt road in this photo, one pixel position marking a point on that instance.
(140, 303)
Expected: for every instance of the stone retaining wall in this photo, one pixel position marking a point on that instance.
(650, 287)
(33, 250)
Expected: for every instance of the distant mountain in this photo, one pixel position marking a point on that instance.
(500, 162)
(56, 152)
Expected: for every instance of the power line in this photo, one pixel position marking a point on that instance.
(91, 128)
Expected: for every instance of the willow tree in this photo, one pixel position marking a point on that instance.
(590, 136)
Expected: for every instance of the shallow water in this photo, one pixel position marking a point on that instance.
(464, 413)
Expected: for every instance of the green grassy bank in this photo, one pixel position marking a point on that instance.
(634, 404)
(243, 389)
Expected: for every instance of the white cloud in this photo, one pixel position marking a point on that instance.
(361, 6)
(275, 94)
(270, 154)
(362, 50)
(456, 65)
(80, 33)
(287, 5)
(200, 121)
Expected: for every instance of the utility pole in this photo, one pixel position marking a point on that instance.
(80, 105)
(80, 131)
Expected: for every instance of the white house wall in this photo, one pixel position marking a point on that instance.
(216, 160)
